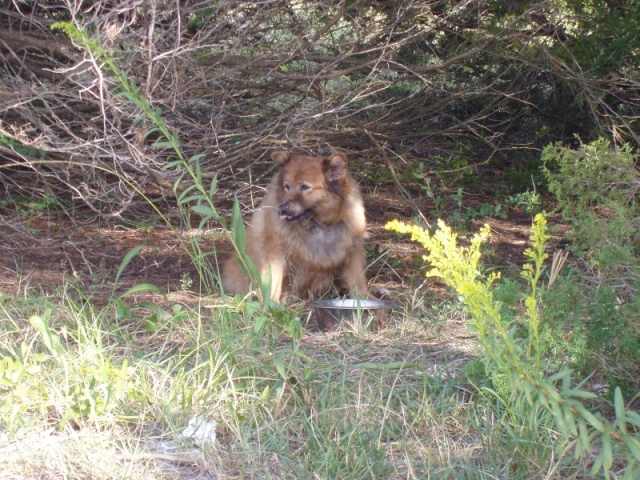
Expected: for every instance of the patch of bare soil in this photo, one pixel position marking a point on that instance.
(44, 252)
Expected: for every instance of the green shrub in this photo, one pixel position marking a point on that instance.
(592, 314)
(593, 330)
(597, 188)
(564, 330)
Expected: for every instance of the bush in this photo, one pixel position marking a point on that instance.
(596, 187)
(592, 329)
(592, 314)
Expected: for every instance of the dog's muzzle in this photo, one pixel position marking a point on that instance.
(285, 213)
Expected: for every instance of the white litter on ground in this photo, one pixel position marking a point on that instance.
(200, 431)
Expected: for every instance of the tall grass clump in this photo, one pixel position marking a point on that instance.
(544, 404)
(66, 376)
(76, 380)
(67, 392)
(106, 392)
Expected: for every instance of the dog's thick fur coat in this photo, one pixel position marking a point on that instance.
(308, 230)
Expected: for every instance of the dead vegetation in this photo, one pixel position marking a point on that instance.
(395, 83)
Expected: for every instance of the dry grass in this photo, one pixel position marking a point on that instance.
(337, 389)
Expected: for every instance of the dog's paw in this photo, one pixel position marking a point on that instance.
(381, 293)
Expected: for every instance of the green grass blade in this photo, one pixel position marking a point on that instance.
(142, 288)
(125, 261)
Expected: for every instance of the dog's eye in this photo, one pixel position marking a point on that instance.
(304, 187)
(286, 187)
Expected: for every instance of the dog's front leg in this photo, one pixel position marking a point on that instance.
(353, 277)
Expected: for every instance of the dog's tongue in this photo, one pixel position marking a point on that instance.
(294, 218)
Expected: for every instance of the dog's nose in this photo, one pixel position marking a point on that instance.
(285, 209)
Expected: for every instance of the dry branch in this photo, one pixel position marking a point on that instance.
(235, 79)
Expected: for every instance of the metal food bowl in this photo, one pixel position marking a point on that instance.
(354, 312)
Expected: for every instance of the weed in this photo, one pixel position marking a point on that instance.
(30, 206)
(464, 216)
(62, 385)
(517, 368)
(186, 282)
(20, 148)
(529, 201)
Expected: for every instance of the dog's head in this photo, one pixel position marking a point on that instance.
(311, 187)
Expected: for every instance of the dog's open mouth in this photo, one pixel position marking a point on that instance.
(296, 218)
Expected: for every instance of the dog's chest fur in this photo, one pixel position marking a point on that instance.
(322, 245)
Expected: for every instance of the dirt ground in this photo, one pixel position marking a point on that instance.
(44, 251)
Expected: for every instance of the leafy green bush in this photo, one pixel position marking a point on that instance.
(593, 329)
(592, 314)
(597, 188)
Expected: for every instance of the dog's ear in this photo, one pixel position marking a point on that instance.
(335, 167)
(280, 157)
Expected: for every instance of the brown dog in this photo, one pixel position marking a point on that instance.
(308, 231)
